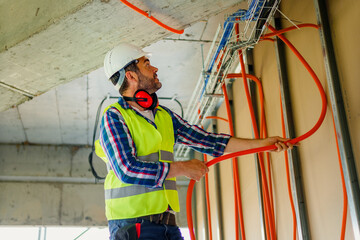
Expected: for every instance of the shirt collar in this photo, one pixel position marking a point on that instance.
(123, 103)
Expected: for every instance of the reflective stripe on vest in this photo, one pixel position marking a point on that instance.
(133, 190)
(153, 157)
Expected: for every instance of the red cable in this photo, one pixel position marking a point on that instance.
(266, 148)
(152, 18)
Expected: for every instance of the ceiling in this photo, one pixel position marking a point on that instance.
(51, 79)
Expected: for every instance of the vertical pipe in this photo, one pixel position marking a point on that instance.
(39, 234)
(337, 104)
(294, 160)
(249, 58)
(237, 191)
(45, 233)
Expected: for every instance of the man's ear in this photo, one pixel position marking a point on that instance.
(131, 76)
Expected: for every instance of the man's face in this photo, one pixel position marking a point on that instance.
(147, 76)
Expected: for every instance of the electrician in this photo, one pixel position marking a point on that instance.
(137, 138)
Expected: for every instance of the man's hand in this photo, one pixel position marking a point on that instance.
(193, 169)
(279, 143)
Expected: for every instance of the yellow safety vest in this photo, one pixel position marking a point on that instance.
(152, 144)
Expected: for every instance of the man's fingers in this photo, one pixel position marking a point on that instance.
(281, 146)
(290, 145)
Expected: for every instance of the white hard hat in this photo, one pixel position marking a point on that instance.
(119, 57)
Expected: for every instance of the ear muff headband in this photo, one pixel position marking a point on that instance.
(144, 99)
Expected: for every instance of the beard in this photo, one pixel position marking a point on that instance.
(149, 84)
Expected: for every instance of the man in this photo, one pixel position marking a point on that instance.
(137, 137)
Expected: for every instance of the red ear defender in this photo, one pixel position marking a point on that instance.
(144, 99)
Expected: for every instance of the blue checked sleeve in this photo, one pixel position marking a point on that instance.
(197, 138)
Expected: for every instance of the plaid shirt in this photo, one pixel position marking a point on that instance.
(120, 149)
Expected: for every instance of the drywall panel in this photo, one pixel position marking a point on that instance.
(343, 17)
(318, 156)
(266, 69)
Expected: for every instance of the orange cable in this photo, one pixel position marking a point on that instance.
(216, 117)
(237, 191)
(318, 84)
(152, 18)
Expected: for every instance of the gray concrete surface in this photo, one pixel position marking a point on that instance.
(78, 38)
(38, 186)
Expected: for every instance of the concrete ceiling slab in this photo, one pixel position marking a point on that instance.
(75, 44)
(66, 114)
(10, 98)
(22, 18)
